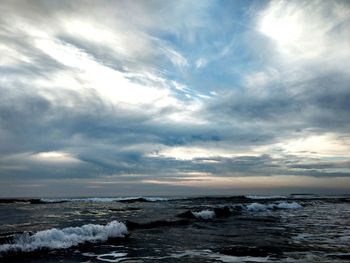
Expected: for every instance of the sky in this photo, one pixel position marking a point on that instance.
(115, 98)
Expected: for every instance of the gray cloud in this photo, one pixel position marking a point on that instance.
(57, 124)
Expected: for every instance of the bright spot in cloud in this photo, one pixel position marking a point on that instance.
(326, 145)
(306, 32)
(59, 157)
(249, 182)
(284, 28)
(110, 83)
(205, 151)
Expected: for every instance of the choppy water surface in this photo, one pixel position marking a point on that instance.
(203, 229)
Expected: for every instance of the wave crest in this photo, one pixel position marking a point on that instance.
(204, 214)
(105, 199)
(256, 207)
(64, 238)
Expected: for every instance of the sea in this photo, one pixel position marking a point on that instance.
(251, 228)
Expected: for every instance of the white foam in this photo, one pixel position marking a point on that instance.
(46, 200)
(99, 199)
(286, 205)
(257, 207)
(112, 257)
(156, 199)
(67, 237)
(205, 214)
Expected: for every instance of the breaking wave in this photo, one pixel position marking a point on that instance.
(256, 207)
(225, 211)
(205, 214)
(64, 238)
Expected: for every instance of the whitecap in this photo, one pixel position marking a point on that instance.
(156, 199)
(204, 214)
(58, 200)
(286, 205)
(257, 207)
(64, 238)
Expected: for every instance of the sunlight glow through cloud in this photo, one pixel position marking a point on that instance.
(303, 32)
(55, 157)
(326, 145)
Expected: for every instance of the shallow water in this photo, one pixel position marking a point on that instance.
(206, 229)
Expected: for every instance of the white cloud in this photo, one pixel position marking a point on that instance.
(325, 145)
(205, 150)
(12, 57)
(109, 83)
(308, 30)
(302, 42)
(237, 182)
(201, 63)
(175, 57)
(54, 157)
(137, 89)
(134, 44)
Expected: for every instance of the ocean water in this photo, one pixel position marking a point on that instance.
(296, 228)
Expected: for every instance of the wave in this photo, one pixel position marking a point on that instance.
(203, 199)
(50, 201)
(262, 197)
(205, 214)
(256, 207)
(218, 212)
(157, 199)
(31, 201)
(221, 212)
(131, 225)
(142, 199)
(215, 256)
(105, 199)
(65, 238)
(112, 257)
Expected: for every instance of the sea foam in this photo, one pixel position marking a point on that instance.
(204, 214)
(64, 238)
(256, 207)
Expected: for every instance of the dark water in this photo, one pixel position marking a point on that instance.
(220, 229)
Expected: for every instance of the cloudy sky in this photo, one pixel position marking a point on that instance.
(174, 97)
